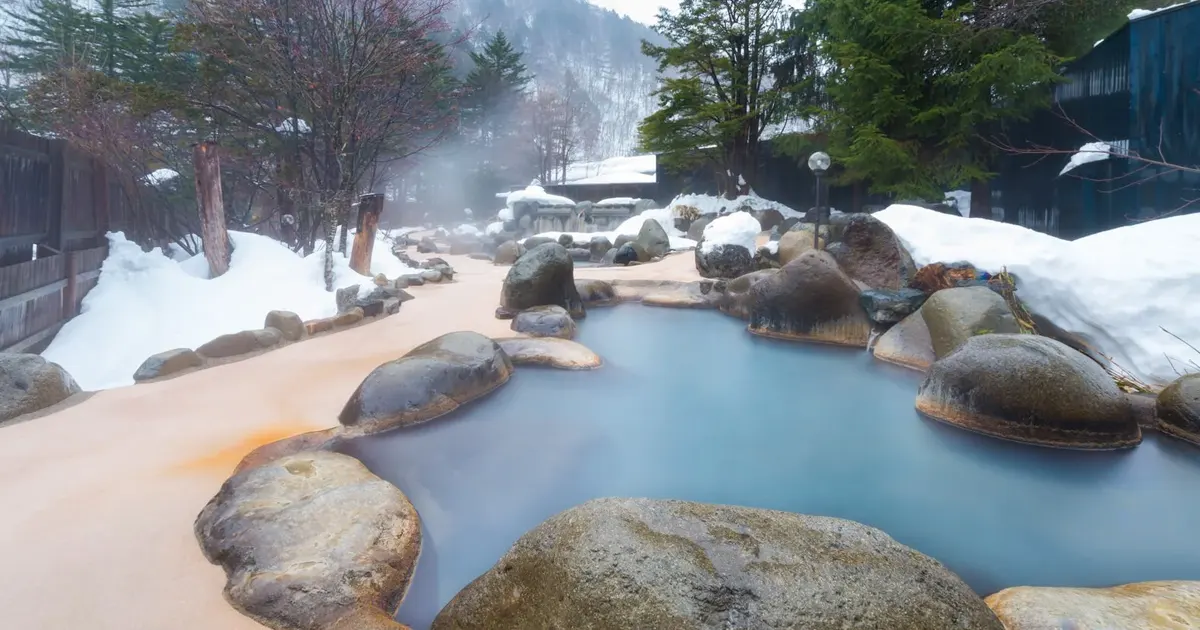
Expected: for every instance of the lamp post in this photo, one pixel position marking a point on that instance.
(818, 163)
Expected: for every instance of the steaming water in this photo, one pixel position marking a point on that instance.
(690, 406)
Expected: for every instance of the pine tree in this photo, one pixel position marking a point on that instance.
(493, 89)
(916, 83)
(718, 86)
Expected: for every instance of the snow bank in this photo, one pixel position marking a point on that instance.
(617, 201)
(709, 204)
(538, 195)
(505, 214)
(1088, 153)
(739, 228)
(145, 303)
(1119, 288)
(619, 170)
(494, 228)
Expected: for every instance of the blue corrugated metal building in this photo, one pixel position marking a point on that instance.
(1139, 91)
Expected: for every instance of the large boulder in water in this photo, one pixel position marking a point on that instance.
(1178, 409)
(312, 541)
(598, 247)
(29, 383)
(733, 297)
(872, 253)
(431, 380)
(595, 291)
(955, 315)
(887, 307)
(544, 276)
(545, 321)
(1144, 606)
(652, 240)
(809, 299)
(1029, 389)
(907, 344)
(644, 563)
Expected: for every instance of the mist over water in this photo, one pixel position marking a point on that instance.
(690, 406)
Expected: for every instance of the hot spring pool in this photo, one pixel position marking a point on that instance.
(690, 406)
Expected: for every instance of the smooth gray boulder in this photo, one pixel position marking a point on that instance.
(433, 379)
(312, 541)
(287, 323)
(655, 564)
(1030, 389)
(544, 276)
(809, 299)
(545, 321)
(29, 383)
(955, 315)
(167, 363)
(652, 241)
(1178, 409)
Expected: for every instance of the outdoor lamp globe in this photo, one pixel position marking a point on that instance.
(818, 162)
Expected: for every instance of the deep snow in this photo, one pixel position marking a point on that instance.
(146, 302)
(1118, 288)
(739, 228)
(618, 170)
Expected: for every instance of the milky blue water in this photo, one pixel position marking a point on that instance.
(690, 406)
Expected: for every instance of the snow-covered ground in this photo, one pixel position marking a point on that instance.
(739, 228)
(1120, 288)
(147, 302)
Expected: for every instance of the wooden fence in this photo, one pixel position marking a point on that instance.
(56, 205)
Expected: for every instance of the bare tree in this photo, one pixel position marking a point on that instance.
(1147, 166)
(332, 87)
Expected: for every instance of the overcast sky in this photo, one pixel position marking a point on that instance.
(645, 11)
(641, 10)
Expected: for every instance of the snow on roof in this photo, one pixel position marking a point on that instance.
(293, 125)
(1138, 14)
(710, 204)
(161, 176)
(1088, 153)
(617, 201)
(537, 194)
(1153, 285)
(637, 169)
(739, 228)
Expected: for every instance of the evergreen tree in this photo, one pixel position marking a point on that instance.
(493, 89)
(719, 88)
(915, 84)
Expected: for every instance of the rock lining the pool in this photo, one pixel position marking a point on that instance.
(312, 541)
(809, 299)
(643, 563)
(1029, 389)
(552, 352)
(433, 379)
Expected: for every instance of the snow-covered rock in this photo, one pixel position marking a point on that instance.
(145, 303)
(727, 247)
(535, 193)
(1121, 289)
(161, 176)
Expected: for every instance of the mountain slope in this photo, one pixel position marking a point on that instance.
(601, 48)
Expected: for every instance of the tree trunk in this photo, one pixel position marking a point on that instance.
(344, 223)
(981, 199)
(330, 233)
(369, 207)
(212, 209)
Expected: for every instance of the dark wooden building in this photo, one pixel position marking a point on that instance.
(1138, 91)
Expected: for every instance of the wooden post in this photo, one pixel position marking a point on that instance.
(212, 208)
(72, 290)
(369, 207)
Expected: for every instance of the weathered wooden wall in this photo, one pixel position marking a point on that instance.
(56, 206)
